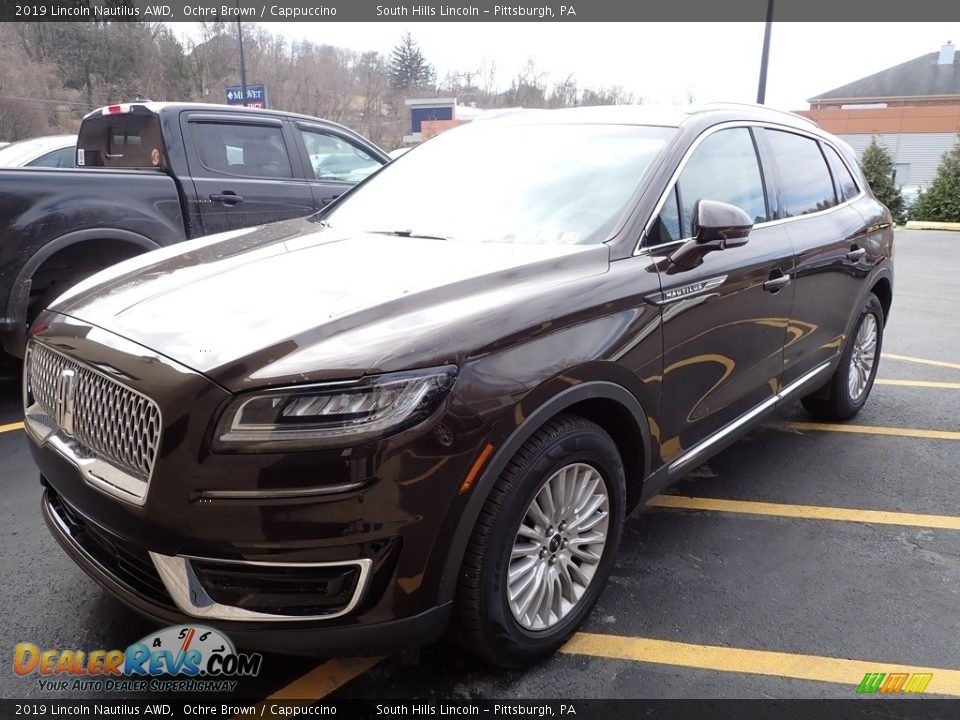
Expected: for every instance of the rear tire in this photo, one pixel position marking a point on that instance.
(536, 564)
(850, 386)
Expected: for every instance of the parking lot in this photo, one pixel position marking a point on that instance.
(790, 565)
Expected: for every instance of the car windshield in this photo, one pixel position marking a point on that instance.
(513, 183)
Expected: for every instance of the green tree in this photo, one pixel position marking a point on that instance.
(941, 200)
(409, 70)
(878, 169)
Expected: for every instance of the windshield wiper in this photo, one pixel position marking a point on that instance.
(409, 234)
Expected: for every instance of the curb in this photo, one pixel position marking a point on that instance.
(930, 225)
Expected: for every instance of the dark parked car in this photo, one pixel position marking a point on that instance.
(154, 174)
(443, 394)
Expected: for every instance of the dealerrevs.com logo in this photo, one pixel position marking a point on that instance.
(179, 658)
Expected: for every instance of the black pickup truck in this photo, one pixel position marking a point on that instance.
(152, 174)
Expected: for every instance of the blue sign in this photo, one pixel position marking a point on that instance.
(256, 96)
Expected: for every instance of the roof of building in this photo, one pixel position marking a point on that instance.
(921, 77)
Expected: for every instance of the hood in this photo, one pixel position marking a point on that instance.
(296, 302)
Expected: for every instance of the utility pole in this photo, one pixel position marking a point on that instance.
(243, 69)
(762, 87)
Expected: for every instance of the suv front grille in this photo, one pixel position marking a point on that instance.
(104, 418)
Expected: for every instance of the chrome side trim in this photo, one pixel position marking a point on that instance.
(187, 591)
(640, 250)
(699, 450)
(686, 291)
(282, 492)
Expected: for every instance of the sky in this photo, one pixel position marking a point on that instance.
(661, 62)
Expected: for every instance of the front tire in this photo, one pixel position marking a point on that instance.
(850, 386)
(544, 544)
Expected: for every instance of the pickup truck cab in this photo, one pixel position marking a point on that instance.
(153, 174)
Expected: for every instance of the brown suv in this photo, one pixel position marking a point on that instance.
(444, 393)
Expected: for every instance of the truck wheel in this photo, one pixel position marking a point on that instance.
(852, 381)
(544, 544)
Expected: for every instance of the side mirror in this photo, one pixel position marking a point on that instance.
(717, 222)
(716, 226)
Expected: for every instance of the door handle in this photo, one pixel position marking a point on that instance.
(227, 197)
(329, 199)
(775, 284)
(856, 253)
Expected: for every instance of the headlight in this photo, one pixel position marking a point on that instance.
(333, 414)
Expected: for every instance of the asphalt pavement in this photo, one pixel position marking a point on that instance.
(782, 568)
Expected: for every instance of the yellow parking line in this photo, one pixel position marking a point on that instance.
(919, 383)
(922, 361)
(11, 427)
(324, 679)
(806, 512)
(870, 430)
(754, 662)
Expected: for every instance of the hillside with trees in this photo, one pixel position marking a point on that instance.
(51, 74)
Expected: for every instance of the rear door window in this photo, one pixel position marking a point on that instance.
(242, 149)
(805, 182)
(334, 158)
(846, 185)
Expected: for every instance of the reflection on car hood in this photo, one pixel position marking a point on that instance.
(293, 302)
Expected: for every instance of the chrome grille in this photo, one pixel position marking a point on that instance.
(109, 421)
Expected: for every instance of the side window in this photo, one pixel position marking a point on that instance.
(724, 167)
(806, 183)
(846, 185)
(335, 158)
(62, 158)
(242, 149)
(667, 226)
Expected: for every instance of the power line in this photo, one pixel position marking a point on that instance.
(51, 102)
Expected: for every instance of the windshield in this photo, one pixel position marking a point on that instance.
(508, 183)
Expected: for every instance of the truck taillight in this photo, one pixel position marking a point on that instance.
(114, 109)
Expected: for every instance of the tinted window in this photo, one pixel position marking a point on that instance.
(667, 227)
(846, 185)
(806, 186)
(724, 168)
(129, 140)
(516, 181)
(334, 158)
(62, 158)
(241, 149)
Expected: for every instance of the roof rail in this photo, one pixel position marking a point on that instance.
(755, 106)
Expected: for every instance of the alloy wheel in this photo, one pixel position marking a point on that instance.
(558, 546)
(863, 357)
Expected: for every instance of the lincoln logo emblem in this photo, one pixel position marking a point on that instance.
(65, 397)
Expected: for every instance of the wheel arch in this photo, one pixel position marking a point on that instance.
(606, 403)
(882, 287)
(18, 300)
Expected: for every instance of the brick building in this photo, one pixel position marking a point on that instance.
(913, 108)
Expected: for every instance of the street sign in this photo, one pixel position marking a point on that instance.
(256, 96)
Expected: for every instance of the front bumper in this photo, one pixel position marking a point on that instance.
(405, 633)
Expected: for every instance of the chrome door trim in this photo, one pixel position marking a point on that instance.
(640, 250)
(701, 448)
